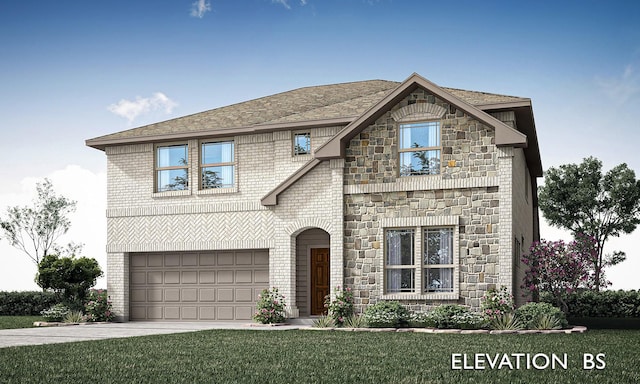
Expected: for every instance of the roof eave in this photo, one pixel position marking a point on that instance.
(102, 143)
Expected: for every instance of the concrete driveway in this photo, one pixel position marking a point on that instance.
(83, 332)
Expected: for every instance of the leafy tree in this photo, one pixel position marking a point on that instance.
(580, 198)
(70, 276)
(558, 268)
(34, 230)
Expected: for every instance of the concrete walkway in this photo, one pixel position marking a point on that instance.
(83, 332)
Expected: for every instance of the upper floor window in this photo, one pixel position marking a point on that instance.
(172, 167)
(217, 164)
(419, 148)
(301, 143)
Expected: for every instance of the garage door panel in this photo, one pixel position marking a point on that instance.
(172, 295)
(197, 285)
(172, 277)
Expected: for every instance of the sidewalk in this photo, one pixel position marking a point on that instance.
(83, 332)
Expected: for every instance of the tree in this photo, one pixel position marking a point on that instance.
(558, 268)
(34, 230)
(583, 200)
(72, 277)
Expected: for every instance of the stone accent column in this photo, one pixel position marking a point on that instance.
(505, 263)
(118, 284)
(336, 263)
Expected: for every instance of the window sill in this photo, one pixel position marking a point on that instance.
(186, 192)
(306, 157)
(423, 296)
(217, 191)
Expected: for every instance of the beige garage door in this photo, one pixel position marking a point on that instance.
(197, 285)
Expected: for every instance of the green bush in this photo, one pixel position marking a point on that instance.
(29, 303)
(452, 316)
(56, 313)
(531, 314)
(602, 304)
(270, 307)
(421, 320)
(98, 306)
(386, 314)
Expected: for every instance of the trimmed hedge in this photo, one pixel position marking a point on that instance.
(28, 303)
(603, 304)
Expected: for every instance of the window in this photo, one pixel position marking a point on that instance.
(172, 167)
(400, 269)
(419, 148)
(435, 269)
(438, 260)
(217, 165)
(301, 143)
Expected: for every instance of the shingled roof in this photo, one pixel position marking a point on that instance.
(336, 104)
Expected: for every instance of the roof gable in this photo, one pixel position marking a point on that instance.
(335, 147)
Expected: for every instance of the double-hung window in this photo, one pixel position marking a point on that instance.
(404, 270)
(399, 261)
(172, 167)
(438, 260)
(217, 164)
(301, 143)
(419, 148)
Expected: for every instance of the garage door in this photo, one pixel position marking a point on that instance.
(197, 285)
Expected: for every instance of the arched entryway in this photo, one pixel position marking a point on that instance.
(312, 271)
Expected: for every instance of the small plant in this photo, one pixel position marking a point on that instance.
(98, 306)
(355, 321)
(55, 313)
(531, 313)
(341, 307)
(421, 320)
(386, 314)
(497, 302)
(73, 317)
(448, 315)
(469, 320)
(505, 322)
(547, 321)
(270, 307)
(324, 322)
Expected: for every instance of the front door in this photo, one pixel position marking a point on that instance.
(319, 279)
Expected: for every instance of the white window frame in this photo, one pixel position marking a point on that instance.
(419, 225)
(402, 150)
(202, 165)
(157, 168)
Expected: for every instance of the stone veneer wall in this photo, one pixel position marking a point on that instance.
(469, 187)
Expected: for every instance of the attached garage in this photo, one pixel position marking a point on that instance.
(190, 286)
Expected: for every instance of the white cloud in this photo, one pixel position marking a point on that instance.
(284, 3)
(88, 223)
(199, 8)
(621, 88)
(132, 109)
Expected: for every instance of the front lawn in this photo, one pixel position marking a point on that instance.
(230, 356)
(11, 322)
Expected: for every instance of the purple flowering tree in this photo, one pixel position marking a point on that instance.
(558, 268)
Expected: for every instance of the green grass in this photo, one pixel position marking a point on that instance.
(11, 322)
(226, 356)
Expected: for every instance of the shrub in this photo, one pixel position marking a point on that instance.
(548, 322)
(497, 302)
(421, 320)
(601, 304)
(341, 307)
(26, 303)
(55, 313)
(270, 307)
(451, 316)
(98, 306)
(531, 313)
(386, 314)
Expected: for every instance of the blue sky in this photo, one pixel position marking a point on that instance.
(73, 70)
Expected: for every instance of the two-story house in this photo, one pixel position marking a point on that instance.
(400, 191)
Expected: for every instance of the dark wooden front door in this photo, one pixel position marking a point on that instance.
(319, 279)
